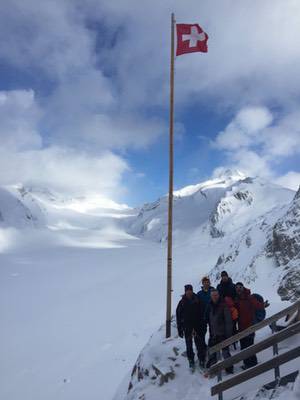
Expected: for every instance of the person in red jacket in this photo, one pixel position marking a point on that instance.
(246, 305)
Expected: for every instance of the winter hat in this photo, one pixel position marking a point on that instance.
(239, 284)
(224, 273)
(188, 287)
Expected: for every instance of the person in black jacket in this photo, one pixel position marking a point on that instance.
(226, 288)
(191, 324)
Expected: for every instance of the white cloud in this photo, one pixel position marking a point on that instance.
(244, 130)
(253, 119)
(51, 38)
(23, 158)
(251, 163)
(251, 129)
(19, 114)
(253, 54)
(283, 139)
(255, 146)
(290, 180)
(64, 170)
(84, 106)
(253, 59)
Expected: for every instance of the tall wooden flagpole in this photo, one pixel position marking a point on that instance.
(171, 179)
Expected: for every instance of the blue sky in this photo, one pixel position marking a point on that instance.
(195, 159)
(84, 95)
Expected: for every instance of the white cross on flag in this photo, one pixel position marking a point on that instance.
(190, 38)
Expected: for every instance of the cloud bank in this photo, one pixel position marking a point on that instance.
(254, 141)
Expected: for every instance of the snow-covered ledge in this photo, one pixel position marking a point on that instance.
(161, 372)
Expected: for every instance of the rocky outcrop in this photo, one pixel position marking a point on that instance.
(285, 247)
(233, 200)
(162, 369)
(289, 288)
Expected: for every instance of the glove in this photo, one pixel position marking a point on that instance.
(180, 333)
(266, 304)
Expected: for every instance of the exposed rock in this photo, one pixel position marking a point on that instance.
(248, 241)
(284, 246)
(244, 196)
(289, 288)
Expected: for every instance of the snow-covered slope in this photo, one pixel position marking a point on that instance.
(268, 243)
(223, 205)
(81, 221)
(83, 278)
(161, 373)
(15, 213)
(237, 215)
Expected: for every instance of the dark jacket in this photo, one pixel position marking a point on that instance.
(190, 314)
(227, 289)
(219, 319)
(247, 304)
(204, 295)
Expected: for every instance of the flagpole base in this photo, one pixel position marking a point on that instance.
(168, 328)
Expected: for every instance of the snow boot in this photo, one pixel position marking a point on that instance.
(192, 364)
(229, 370)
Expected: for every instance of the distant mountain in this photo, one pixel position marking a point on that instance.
(24, 206)
(221, 205)
(16, 213)
(284, 247)
(250, 225)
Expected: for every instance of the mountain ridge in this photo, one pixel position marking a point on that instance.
(231, 211)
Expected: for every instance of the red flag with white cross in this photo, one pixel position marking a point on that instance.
(190, 38)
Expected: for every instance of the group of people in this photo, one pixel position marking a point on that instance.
(226, 310)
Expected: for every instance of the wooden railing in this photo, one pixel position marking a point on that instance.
(292, 328)
(252, 329)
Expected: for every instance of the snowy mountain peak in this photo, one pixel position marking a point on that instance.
(222, 180)
(233, 174)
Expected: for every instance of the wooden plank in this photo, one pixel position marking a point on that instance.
(256, 348)
(255, 371)
(290, 378)
(254, 328)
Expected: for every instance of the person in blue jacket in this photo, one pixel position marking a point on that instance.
(204, 293)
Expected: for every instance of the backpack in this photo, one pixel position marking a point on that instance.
(260, 315)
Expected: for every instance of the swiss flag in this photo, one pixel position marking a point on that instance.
(190, 38)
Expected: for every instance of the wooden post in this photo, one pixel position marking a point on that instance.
(171, 180)
(298, 314)
(220, 395)
(275, 353)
